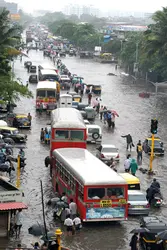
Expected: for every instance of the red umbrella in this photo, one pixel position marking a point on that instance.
(115, 113)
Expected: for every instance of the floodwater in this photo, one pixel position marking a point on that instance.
(135, 113)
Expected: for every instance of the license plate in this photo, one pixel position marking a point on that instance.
(138, 206)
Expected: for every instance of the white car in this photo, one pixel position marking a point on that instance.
(94, 133)
(107, 151)
(86, 122)
(65, 78)
(137, 203)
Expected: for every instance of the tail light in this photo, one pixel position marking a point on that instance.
(148, 205)
(158, 201)
(129, 204)
(117, 156)
(102, 156)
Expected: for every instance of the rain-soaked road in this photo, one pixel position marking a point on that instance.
(135, 114)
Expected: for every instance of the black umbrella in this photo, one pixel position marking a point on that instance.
(36, 230)
(162, 235)
(139, 230)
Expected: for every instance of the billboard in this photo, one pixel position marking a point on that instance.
(15, 17)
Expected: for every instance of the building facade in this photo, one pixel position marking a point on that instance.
(11, 7)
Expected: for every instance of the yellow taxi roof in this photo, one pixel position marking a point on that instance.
(21, 115)
(130, 179)
(8, 128)
(155, 139)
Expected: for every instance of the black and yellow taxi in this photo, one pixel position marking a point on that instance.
(19, 120)
(158, 146)
(13, 133)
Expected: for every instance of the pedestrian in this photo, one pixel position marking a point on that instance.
(69, 224)
(42, 135)
(89, 98)
(139, 150)
(29, 118)
(133, 167)
(36, 245)
(101, 112)
(129, 141)
(133, 242)
(64, 197)
(77, 222)
(127, 163)
(155, 184)
(53, 245)
(116, 67)
(18, 247)
(73, 208)
(18, 222)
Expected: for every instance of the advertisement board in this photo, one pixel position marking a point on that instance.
(10, 196)
(105, 213)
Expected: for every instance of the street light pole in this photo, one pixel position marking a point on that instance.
(137, 53)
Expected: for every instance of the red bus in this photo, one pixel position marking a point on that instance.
(99, 192)
(68, 129)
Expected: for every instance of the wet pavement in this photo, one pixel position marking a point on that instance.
(135, 113)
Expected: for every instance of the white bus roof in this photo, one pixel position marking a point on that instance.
(46, 66)
(67, 118)
(48, 72)
(86, 167)
(46, 85)
(65, 95)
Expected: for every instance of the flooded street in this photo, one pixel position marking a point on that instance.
(135, 114)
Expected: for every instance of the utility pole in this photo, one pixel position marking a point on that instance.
(18, 172)
(136, 63)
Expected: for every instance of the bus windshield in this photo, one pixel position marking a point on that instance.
(51, 93)
(41, 93)
(74, 135)
(77, 135)
(50, 77)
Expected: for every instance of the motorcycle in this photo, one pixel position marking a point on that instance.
(154, 197)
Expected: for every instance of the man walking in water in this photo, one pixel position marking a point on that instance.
(129, 141)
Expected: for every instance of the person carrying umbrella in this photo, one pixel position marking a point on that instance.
(133, 242)
(133, 167)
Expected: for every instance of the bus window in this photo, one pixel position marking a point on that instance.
(80, 192)
(51, 93)
(41, 93)
(134, 187)
(61, 134)
(115, 193)
(77, 135)
(96, 193)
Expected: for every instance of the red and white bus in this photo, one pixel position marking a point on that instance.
(99, 192)
(68, 129)
(46, 92)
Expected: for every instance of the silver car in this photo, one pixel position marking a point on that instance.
(137, 203)
(107, 151)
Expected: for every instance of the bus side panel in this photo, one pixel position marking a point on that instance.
(81, 209)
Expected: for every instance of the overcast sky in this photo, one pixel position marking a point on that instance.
(105, 5)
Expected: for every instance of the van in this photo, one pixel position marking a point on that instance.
(132, 181)
(94, 133)
(65, 101)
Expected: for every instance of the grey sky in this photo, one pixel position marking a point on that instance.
(105, 5)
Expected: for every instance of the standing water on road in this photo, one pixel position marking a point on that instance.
(135, 113)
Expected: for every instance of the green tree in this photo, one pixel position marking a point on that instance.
(11, 90)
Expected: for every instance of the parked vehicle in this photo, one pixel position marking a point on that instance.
(21, 121)
(33, 79)
(77, 98)
(96, 89)
(154, 225)
(137, 203)
(107, 151)
(132, 181)
(94, 133)
(158, 146)
(32, 69)
(91, 113)
(13, 133)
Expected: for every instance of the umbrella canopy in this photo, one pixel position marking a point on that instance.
(115, 112)
(162, 235)
(139, 230)
(36, 230)
(51, 236)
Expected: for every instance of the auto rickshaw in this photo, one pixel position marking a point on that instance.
(91, 113)
(82, 106)
(32, 69)
(33, 79)
(149, 240)
(77, 79)
(96, 89)
(77, 98)
(72, 93)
